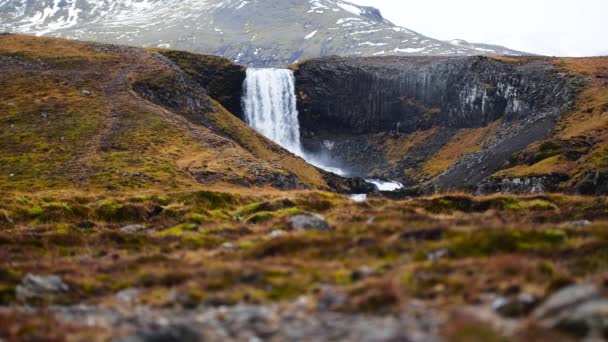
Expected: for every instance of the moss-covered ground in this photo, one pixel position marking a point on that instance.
(217, 247)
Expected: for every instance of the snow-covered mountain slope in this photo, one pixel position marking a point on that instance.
(254, 32)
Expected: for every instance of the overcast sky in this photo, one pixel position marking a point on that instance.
(548, 27)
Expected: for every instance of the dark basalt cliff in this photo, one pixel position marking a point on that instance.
(403, 94)
(388, 116)
(221, 78)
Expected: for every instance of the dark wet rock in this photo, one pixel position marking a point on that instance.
(132, 229)
(515, 306)
(363, 272)
(86, 225)
(434, 234)
(221, 78)
(529, 185)
(172, 333)
(594, 183)
(309, 222)
(344, 185)
(41, 288)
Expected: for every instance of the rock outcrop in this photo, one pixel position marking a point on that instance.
(389, 116)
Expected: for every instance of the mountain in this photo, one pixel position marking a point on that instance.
(252, 32)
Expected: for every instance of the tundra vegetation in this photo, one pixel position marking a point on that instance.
(120, 172)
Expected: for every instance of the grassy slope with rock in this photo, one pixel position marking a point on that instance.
(578, 149)
(101, 190)
(214, 248)
(99, 117)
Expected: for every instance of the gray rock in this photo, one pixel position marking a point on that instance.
(85, 93)
(128, 295)
(438, 254)
(132, 229)
(229, 246)
(515, 307)
(34, 287)
(579, 224)
(309, 222)
(587, 320)
(566, 299)
(579, 310)
(331, 298)
(277, 233)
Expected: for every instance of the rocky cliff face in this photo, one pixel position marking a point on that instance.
(373, 95)
(391, 117)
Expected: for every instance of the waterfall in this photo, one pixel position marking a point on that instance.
(270, 106)
(269, 103)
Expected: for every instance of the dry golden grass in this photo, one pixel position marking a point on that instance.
(465, 142)
(114, 140)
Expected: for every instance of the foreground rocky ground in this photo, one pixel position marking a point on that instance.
(302, 266)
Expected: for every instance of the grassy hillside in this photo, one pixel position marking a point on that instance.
(88, 116)
(579, 145)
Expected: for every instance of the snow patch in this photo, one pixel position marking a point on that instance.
(350, 8)
(409, 50)
(312, 34)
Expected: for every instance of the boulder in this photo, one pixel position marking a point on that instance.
(579, 310)
(579, 224)
(128, 296)
(41, 288)
(277, 233)
(309, 222)
(566, 299)
(132, 229)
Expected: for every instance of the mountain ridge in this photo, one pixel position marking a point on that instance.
(255, 33)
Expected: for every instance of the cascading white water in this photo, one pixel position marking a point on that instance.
(269, 102)
(270, 106)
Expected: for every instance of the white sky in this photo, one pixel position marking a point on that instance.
(548, 27)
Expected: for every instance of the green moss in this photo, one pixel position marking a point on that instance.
(535, 205)
(180, 230)
(209, 200)
(268, 206)
(484, 243)
(198, 218)
(108, 210)
(260, 217)
(111, 211)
